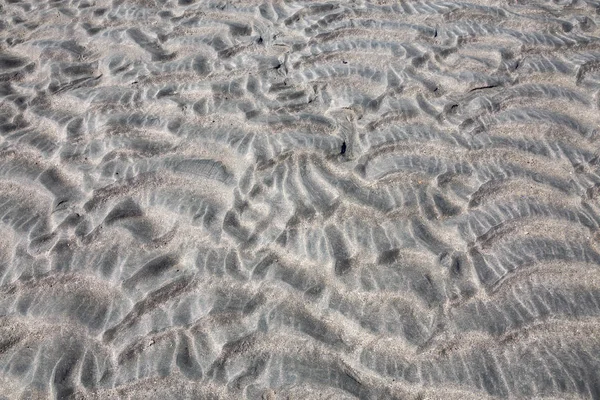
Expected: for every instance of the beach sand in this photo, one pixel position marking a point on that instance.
(299, 200)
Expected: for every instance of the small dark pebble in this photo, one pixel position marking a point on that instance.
(343, 148)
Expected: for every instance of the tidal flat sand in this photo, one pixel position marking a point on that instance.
(299, 200)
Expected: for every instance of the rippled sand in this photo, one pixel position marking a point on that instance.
(178, 219)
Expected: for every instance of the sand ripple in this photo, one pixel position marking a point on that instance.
(179, 220)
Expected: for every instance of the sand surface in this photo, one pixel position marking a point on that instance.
(177, 219)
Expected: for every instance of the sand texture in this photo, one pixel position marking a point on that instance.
(178, 221)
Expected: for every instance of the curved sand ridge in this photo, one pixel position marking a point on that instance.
(178, 221)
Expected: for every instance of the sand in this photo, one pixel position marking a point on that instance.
(292, 199)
